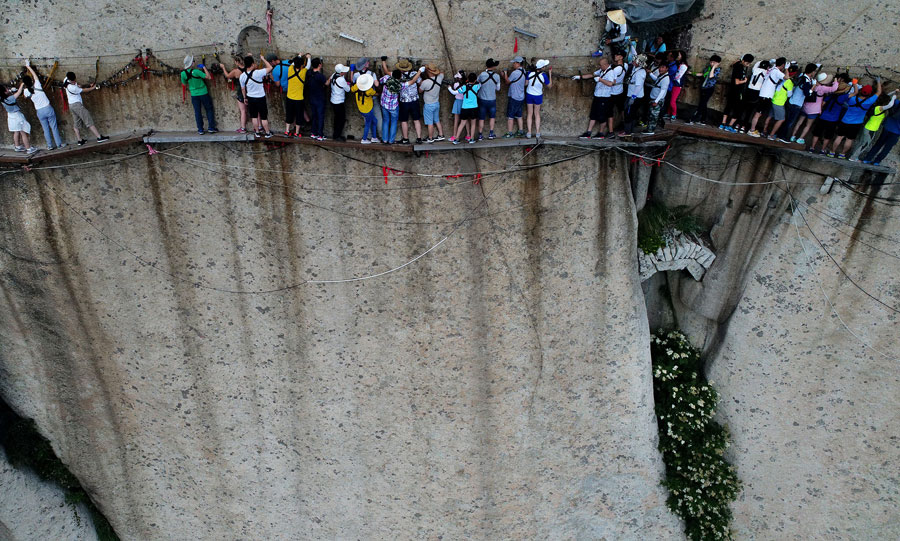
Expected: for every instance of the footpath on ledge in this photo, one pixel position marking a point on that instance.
(661, 138)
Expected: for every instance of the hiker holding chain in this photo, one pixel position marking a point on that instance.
(251, 81)
(195, 80)
(80, 114)
(45, 112)
(231, 75)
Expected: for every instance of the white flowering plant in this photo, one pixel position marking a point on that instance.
(701, 483)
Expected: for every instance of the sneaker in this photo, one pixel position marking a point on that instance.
(852, 159)
(690, 122)
(257, 134)
(812, 150)
(322, 138)
(842, 156)
(673, 117)
(829, 154)
(721, 126)
(537, 136)
(508, 135)
(287, 133)
(429, 140)
(470, 140)
(780, 140)
(102, 138)
(480, 137)
(648, 133)
(528, 135)
(439, 138)
(491, 135)
(600, 135)
(418, 140)
(754, 133)
(876, 163)
(213, 130)
(742, 130)
(51, 148)
(771, 138)
(800, 141)
(585, 135)
(200, 132)
(64, 145)
(454, 140)
(82, 142)
(298, 135)
(31, 150)
(241, 130)
(729, 129)
(268, 135)
(793, 138)
(365, 142)
(22, 149)
(520, 133)
(866, 161)
(404, 141)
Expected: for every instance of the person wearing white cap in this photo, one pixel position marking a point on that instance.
(195, 80)
(535, 81)
(515, 103)
(339, 89)
(365, 102)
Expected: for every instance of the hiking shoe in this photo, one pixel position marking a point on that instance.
(102, 138)
(82, 142)
(213, 130)
(31, 150)
(585, 135)
(439, 138)
(800, 141)
(754, 133)
(491, 135)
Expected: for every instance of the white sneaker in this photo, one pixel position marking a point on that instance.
(365, 142)
(528, 135)
(20, 149)
(31, 150)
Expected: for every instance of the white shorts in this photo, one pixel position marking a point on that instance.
(17, 122)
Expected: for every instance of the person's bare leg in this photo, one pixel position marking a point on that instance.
(472, 128)
(609, 125)
(509, 124)
(431, 131)
(528, 115)
(836, 144)
(242, 108)
(591, 123)
(537, 119)
(95, 131)
(754, 121)
(493, 123)
(26, 142)
(77, 133)
(797, 128)
(440, 129)
(812, 144)
(847, 144)
(480, 125)
(265, 125)
(776, 127)
(455, 123)
(418, 125)
(17, 141)
(519, 120)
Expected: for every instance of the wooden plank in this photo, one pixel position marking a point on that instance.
(331, 143)
(11, 156)
(632, 141)
(194, 137)
(73, 149)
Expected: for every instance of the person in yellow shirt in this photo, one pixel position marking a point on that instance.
(778, 112)
(867, 135)
(365, 101)
(293, 101)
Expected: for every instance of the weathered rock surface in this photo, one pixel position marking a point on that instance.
(497, 387)
(31, 509)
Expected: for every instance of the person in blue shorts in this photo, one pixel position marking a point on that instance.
(535, 81)
(487, 97)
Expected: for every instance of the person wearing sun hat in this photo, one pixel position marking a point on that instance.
(430, 88)
(195, 80)
(409, 99)
(339, 89)
(365, 102)
(535, 81)
(487, 97)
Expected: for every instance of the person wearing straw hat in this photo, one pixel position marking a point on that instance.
(430, 88)
(365, 102)
(339, 88)
(535, 81)
(409, 99)
(616, 30)
(195, 79)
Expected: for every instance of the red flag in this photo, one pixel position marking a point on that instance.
(516, 46)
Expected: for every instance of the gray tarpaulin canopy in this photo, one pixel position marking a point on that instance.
(645, 11)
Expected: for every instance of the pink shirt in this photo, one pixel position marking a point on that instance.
(815, 107)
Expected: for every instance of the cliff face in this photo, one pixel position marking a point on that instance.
(478, 392)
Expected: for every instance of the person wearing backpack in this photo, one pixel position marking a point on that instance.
(515, 103)
(487, 97)
(469, 112)
(430, 88)
(812, 107)
(601, 106)
(80, 114)
(365, 102)
(459, 80)
(778, 111)
(195, 80)
(676, 74)
(734, 109)
(658, 91)
(293, 97)
(339, 88)
(391, 86)
(16, 122)
(751, 93)
(825, 127)
(856, 103)
(535, 81)
(799, 88)
(884, 104)
(707, 87)
(636, 103)
(770, 82)
(254, 91)
(42, 107)
(890, 134)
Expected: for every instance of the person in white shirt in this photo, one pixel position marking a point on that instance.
(45, 112)
(774, 78)
(658, 93)
(601, 106)
(254, 91)
(751, 93)
(79, 112)
(635, 102)
(339, 88)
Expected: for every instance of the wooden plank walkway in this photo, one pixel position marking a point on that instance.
(71, 149)
(659, 139)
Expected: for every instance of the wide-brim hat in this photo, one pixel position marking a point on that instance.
(491, 63)
(365, 82)
(403, 65)
(433, 68)
(617, 16)
(821, 77)
(518, 59)
(362, 62)
(340, 68)
(188, 61)
(542, 63)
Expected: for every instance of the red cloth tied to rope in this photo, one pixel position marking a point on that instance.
(65, 102)
(385, 170)
(269, 24)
